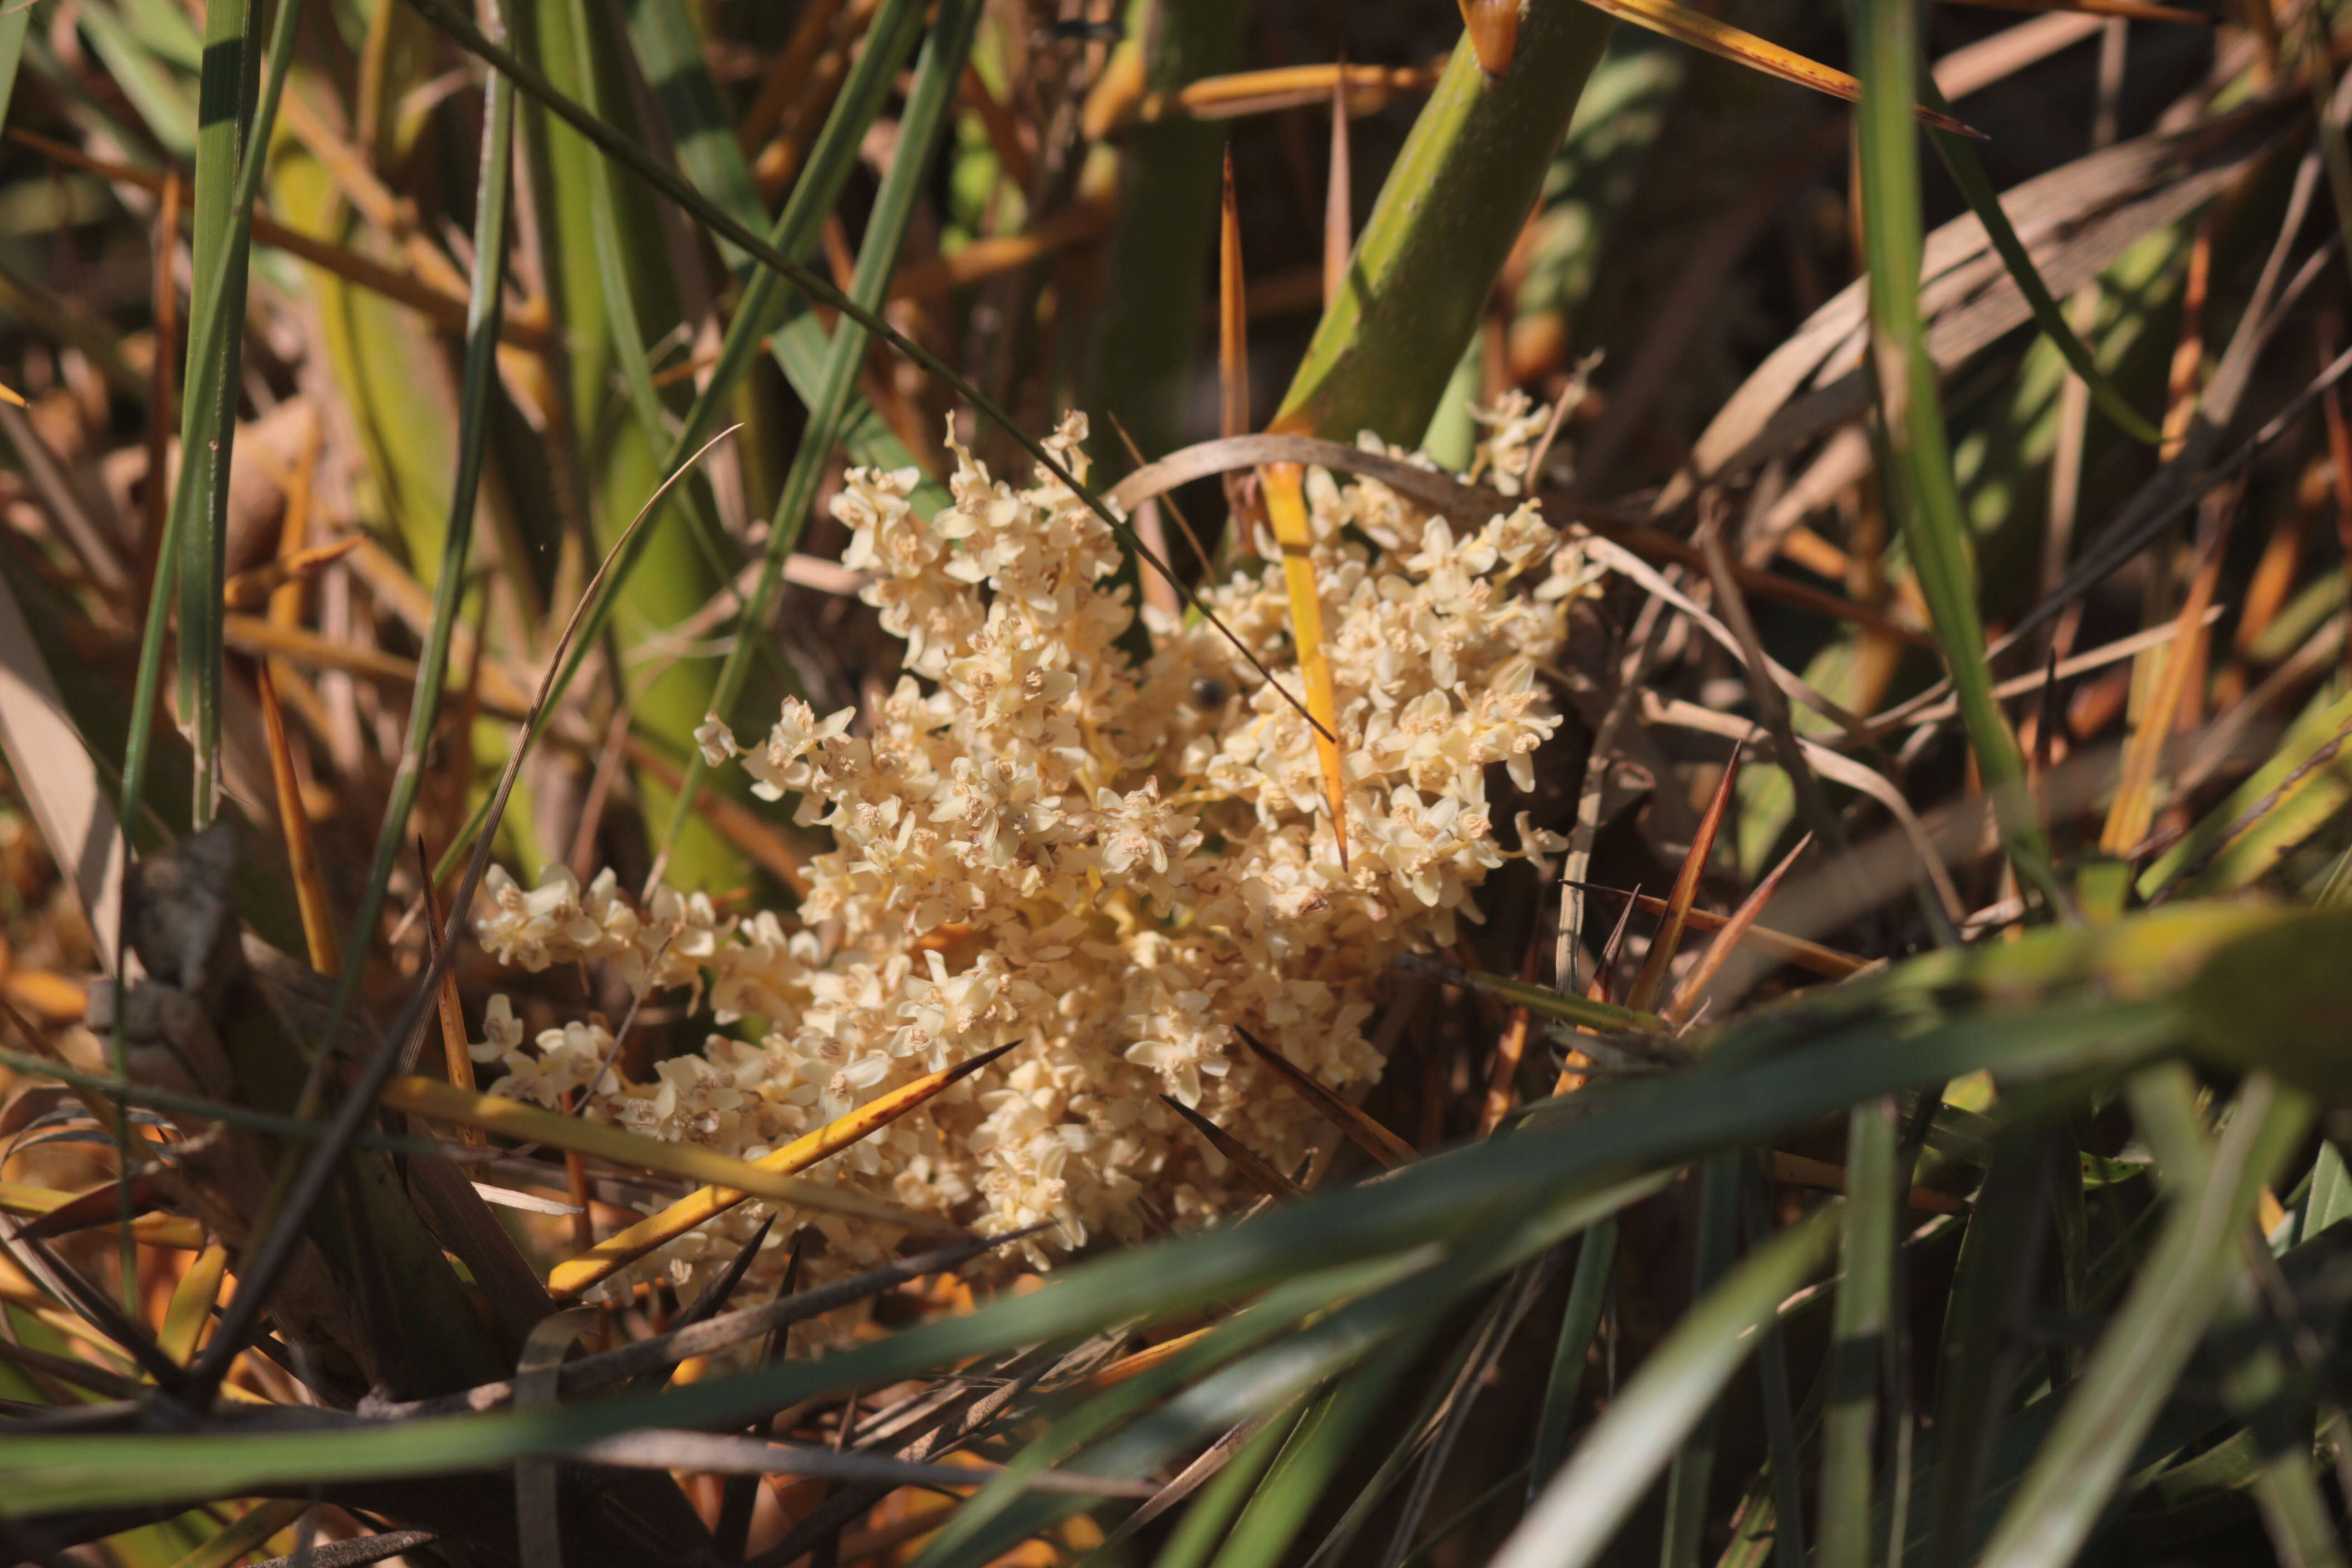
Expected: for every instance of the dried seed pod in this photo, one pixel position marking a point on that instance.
(1494, 33)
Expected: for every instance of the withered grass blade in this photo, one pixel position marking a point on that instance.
(1510, 1050)
(457, 1051)
(1359, 1125)
(250, 590)
(495, 1113)
(2135, 10)
(1697, 29)
(1283, 486)
(1366, 88)
(1339, 216)
(575, 1274)
(1728, 936)
(99, 1207)
(1240, 1156)
(310, 895)
(103, 1203)
(191, 1303)
(1233, 357)
(1826, 962)
(1651, 977)
(1147, 1358)
(2134, 807)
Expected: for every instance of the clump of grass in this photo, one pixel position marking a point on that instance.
(1884, 1111)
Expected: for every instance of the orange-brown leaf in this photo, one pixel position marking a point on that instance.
(1702, 31)
(1651, 977)
(1727, 937)
(575, 1274)
(301, 851)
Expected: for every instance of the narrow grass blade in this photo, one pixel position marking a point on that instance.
(1285, 508)
(1728, 936)
(1233, 317)
(569, 1278)
(1367, 1133)
(1927, 496)
(1580, 1512)
(233, 145)
(1144, 1360)
(669, 50)
(2306, 781)
(1826, 962)
(1204, 1524)
(760, 313)
(2134, 807)
(456, 1051)
(149, 1229)
(1700, 30)
(2146, 1344)
(1692, 1475)
(1281, 1503)
(1303, 1332)
(514, 1119)
(225, 132)
(1863, 1318)
(919, 124)
(1541, 1000)
(1976, 186)
(1588, 1293)
(1651, 977)
(301, 849)
(1786, 1462)
(251, 1530)
(277, 1242)
(191, 1303)
(99, 1084)
(1153, 288)
(1248, 1160)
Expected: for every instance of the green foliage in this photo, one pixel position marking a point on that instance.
(2025, 1248)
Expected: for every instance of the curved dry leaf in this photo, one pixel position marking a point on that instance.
(2076, 220)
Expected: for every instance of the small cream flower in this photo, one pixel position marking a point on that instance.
(1035, 841)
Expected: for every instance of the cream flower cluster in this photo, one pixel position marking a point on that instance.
(1037, 843)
